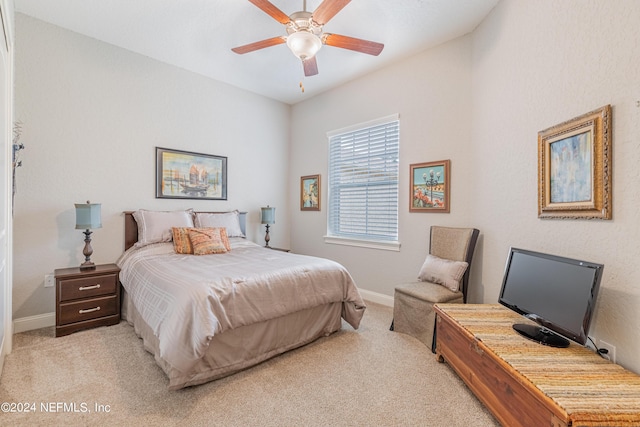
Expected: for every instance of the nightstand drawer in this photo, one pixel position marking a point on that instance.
(87, 309)
(87, 287)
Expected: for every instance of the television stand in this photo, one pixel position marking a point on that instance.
(527, 384)
(541, 335)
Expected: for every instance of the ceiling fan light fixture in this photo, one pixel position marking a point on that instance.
(304, 44)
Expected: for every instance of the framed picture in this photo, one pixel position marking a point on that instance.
(429, 190)
(574, 168)
(187, 175)
(310, 193)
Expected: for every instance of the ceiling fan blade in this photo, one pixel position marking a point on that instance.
(310, 66)
(352, 43)
(271, 10)
(327, 10)
(259, 45)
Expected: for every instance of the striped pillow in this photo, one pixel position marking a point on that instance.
(182, 242)
(207, 241)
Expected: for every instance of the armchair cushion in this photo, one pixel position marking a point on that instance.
(443, 272)
(427, 292)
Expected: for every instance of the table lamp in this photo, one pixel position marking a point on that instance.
(268, 217)
(87, 218)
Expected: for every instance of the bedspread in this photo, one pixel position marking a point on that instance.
(187, 299)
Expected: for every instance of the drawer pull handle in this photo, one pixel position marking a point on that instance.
(88, 288)
(89, 310)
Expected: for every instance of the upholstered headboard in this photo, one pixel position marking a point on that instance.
(131, 227)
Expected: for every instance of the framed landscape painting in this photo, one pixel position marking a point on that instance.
(574, 168)
(429, 190)
(310, 193)
(187, 175)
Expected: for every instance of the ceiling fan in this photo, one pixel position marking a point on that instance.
(305, 36)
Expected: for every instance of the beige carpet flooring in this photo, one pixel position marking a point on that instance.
(367, 377)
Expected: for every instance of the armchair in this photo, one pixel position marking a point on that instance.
(443, 278)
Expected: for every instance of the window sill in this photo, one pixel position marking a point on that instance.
(371, 244)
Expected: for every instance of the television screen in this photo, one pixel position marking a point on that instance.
(557, 293)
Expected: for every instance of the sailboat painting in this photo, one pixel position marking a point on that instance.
(187, 175)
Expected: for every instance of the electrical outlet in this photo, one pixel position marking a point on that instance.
(611, 350)
(49, 280)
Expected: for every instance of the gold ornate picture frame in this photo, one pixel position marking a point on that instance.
(574, 168)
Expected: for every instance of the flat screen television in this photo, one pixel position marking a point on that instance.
(557, 293)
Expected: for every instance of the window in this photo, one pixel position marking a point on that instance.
(363, 184)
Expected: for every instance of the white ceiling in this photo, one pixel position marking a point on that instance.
(198, 35)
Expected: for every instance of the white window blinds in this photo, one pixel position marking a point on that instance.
(363, 181)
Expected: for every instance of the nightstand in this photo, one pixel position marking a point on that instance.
(279, 249)
(87, 298)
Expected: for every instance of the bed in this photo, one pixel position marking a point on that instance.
(204, 317)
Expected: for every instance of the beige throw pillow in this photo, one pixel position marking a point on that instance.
(228, 220)
(155, 226)
(443, 272)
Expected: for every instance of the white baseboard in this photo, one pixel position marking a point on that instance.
(376, 297)
(34, 322)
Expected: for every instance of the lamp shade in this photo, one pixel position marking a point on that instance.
(268, 215)
(304, 44)
(88, 216)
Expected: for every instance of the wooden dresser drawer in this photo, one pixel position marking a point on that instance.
(87, 287)
(87, 298)
(88, 309)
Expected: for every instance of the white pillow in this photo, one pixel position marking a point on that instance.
(155, 226)
(443, 272)
(228, 220)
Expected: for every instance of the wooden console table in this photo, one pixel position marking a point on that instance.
(524, 383)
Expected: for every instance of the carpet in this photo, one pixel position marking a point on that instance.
(364, 377)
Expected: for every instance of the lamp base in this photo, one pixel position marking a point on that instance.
(87, 251)
(87, 266)
(266, 238)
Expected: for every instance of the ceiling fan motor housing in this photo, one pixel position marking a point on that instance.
(303, 21)
(304, 35)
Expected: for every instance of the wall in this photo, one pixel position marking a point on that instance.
(480, 101)
(537, 64)
(431, 93)
(93, 115)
